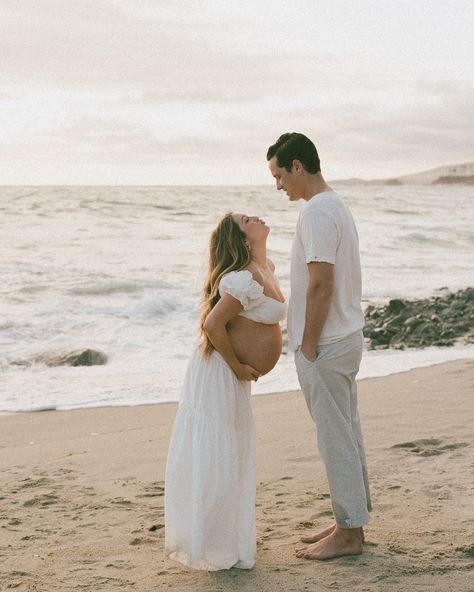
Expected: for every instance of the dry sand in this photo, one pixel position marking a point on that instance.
(81, 495)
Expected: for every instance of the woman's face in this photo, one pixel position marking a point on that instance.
(253, 227)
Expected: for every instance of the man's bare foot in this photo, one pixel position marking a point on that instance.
(319, 536)
(324, 533)
(259, 541)
(341, 542)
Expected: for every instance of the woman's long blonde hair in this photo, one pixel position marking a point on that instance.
(228, 251)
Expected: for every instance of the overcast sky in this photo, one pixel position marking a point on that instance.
(194, 91)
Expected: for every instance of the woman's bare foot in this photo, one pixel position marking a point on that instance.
(259, 541)
(340, 542)
(324, 533)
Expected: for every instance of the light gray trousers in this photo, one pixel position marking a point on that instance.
(330, 390)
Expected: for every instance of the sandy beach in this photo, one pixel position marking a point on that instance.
(82, 492)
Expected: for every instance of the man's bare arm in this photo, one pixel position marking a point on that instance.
(318, 301)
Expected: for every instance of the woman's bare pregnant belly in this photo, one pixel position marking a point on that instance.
(255, 344)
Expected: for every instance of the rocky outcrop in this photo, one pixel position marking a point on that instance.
(456, 173)
(450, 180)
(442, 321)
(78, 357)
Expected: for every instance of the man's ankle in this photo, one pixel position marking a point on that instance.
(348, 533)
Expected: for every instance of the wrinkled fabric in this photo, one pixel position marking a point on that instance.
(258, 306)
(330, 390)
(210, 476)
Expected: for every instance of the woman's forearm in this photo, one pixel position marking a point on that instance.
(219, 338)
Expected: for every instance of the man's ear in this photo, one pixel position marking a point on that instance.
(297, 166)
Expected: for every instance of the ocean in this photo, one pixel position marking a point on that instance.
(120, 269)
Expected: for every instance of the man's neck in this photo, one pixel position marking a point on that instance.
(315, 184)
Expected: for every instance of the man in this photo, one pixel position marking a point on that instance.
(325, 323)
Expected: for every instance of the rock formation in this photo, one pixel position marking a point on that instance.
(78, 357)
(442, 321)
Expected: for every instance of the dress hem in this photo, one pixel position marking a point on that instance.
(202, 564)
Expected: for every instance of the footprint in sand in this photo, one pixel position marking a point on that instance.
(28, 482)
(156, 489)
(304, 524)
(429, 446)
(42, 500)
(141, 541)
(120, 501)
(67, 474)
(468, 550)
(119, 564)
(324, 514)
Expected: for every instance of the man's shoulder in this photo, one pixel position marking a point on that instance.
(324, 203)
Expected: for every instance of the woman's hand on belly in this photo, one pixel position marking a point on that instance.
(246, 372)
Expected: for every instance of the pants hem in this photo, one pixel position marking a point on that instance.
(352, 522)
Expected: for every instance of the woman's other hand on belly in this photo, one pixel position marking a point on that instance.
(246, 372)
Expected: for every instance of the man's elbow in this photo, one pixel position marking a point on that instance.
(322, 289)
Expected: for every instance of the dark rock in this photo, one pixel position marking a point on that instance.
(393, 324)
(469, 293)
(469, 338)
(396, 305)
(454, 180)
(78, 357)
(440, 321)
(412, 322)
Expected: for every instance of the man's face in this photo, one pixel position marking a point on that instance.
(286, 180)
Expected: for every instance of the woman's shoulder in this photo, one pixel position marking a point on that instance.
(241, 284)
(242, 277)
(251, 273)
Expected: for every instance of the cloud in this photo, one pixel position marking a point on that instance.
(141, 84)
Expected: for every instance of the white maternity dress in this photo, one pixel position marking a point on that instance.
(210, 477)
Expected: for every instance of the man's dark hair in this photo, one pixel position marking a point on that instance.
(293, 146)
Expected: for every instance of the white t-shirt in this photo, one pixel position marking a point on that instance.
(326, 232)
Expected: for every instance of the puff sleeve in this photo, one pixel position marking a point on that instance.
(242, 286)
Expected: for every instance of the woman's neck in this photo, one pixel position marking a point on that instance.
(259, 254)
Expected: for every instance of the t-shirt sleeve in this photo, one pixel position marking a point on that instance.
(242, 286)
(318, 232)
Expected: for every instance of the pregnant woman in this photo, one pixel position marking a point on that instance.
(210, 474)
